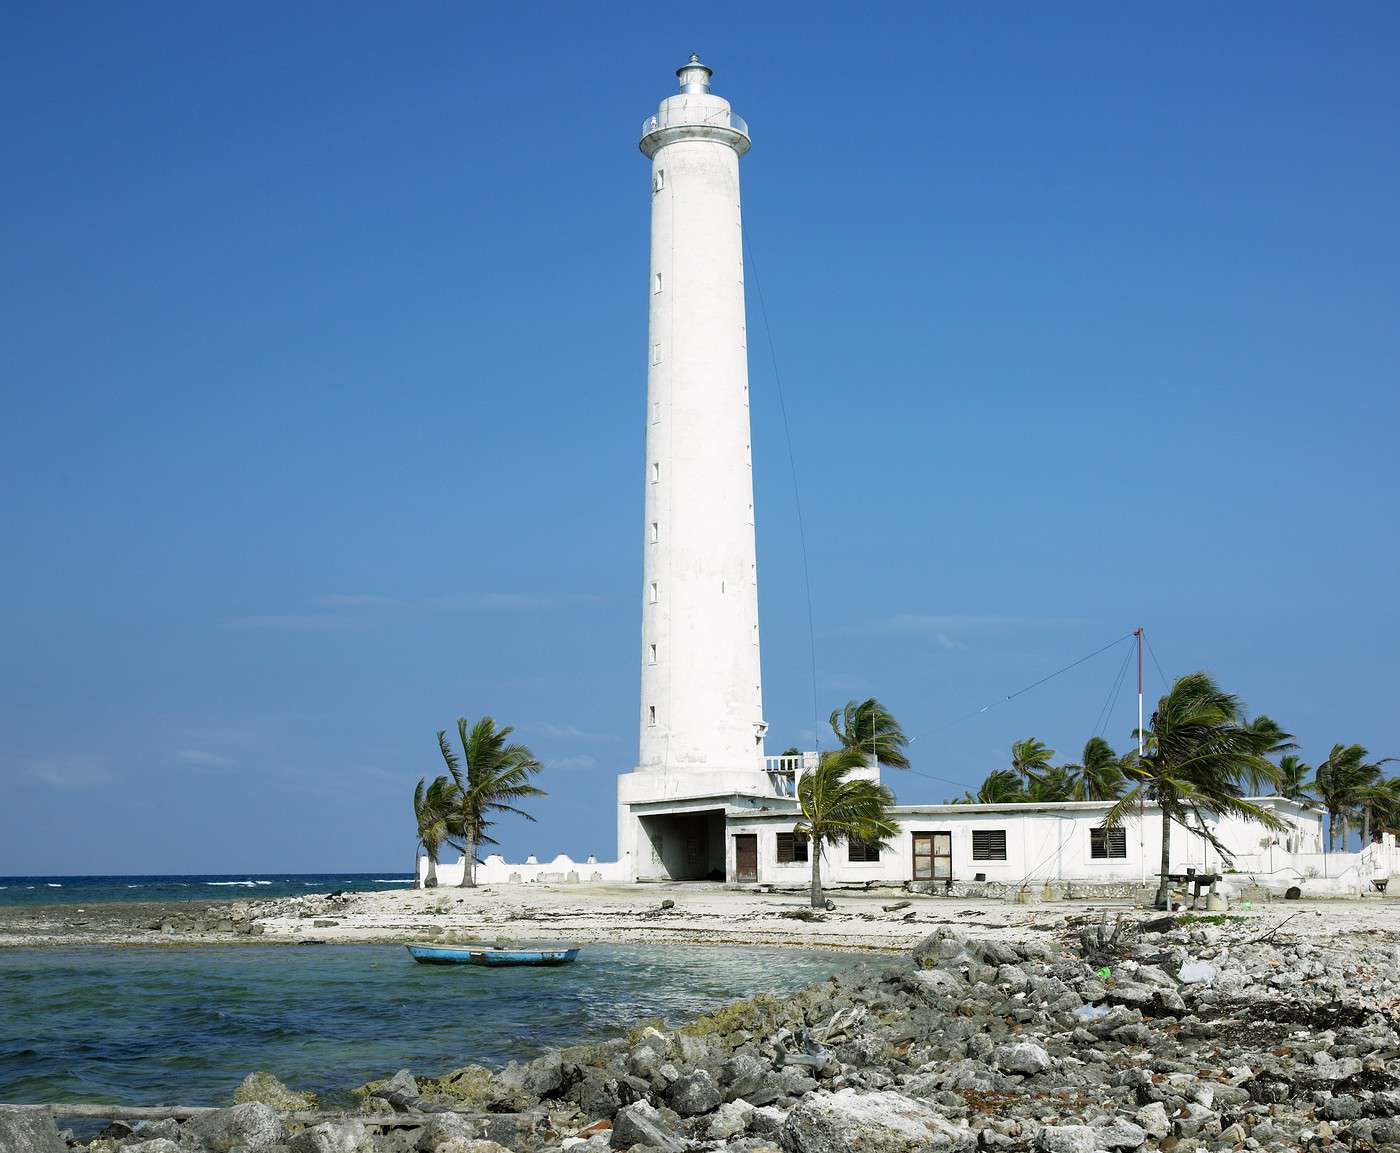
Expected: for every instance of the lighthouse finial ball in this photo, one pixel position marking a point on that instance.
(694, 76)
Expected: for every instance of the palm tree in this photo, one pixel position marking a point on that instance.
(1099, 775)
(1030, 758)
(1196, 752)
(1054, 784)
(497, 775)
(1374, 799)
(1002, 787)
(1339, 784)
(1293, 780)
(1383, 806)
(1270, 741)
(1356, 787)
(870, 728)
(836, 809)
(432, 806)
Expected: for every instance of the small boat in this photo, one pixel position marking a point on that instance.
(493, 955)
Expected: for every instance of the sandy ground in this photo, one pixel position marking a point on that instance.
(598, 913)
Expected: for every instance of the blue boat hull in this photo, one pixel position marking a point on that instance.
(490, 956)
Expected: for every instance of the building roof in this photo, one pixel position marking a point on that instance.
(1022, 808)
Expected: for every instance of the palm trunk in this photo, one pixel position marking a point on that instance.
(430, 874)
(1346, 831)
(817, 899)
(1164, 889)
(1365, 825)
(469, 864)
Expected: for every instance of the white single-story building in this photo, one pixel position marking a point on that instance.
(1015, 844)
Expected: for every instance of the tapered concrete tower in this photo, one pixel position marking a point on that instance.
(701, 714)
(702, 705)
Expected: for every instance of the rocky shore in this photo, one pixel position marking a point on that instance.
(1112, 1034)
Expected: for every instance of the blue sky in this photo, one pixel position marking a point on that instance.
(323, 375)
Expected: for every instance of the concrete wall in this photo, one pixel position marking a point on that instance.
(1320, 874)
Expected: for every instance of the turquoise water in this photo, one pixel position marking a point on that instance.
(185, 1025)
(195, 887)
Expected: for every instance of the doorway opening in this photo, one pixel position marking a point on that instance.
(684, 847)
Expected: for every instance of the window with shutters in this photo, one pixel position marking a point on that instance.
(791, 848)
(857, 850)
(1108, 844)
(989, 844)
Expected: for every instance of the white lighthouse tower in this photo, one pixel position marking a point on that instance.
(701, 714)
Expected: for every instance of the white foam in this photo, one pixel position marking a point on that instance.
(53, 885)
(393, 880)
(245, 884)
(262, 882)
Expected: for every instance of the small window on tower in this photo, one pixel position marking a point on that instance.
(659, 181)
(657, 286)
(656, 472)
(655, 534)
(652, 594)
(656, 412)
(656, 354)
(651, 654)
(651, 714)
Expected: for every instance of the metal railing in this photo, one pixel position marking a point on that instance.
(789, 764)
(783, 773)
(686, 115)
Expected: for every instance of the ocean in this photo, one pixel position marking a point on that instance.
(196, 887)
(183, 1026)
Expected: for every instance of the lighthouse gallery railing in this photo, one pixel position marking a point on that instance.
(676, 117)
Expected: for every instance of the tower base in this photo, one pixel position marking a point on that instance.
(671, 826)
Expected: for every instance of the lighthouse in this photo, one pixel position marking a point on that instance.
(701, 708)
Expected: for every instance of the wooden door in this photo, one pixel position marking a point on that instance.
(746, 856)
(933, 856)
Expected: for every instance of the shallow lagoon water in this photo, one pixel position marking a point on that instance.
(185, 1025)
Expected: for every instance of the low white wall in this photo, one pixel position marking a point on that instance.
(563, 869)
(1323, 874)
